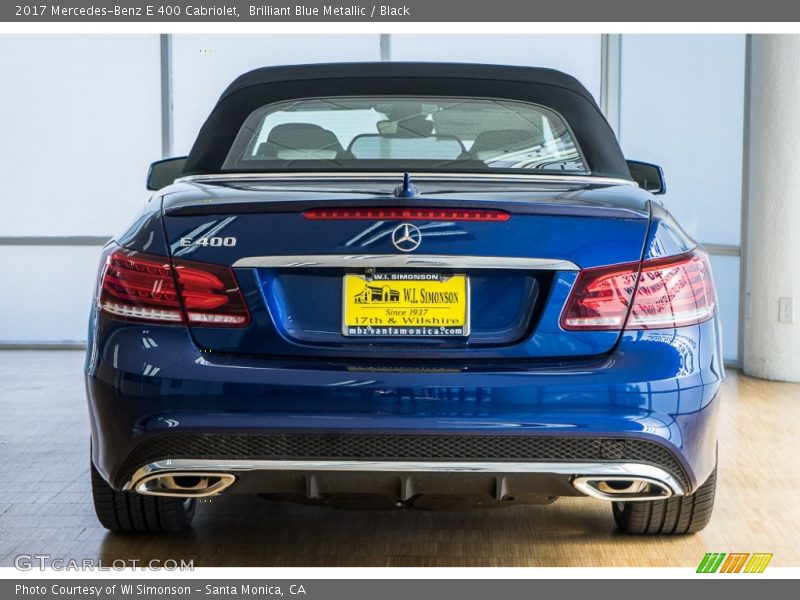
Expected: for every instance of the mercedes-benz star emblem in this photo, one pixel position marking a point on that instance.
(406, 237)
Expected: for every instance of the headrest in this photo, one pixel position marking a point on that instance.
(290, 140)
(499, 141)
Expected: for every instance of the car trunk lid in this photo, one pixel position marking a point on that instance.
(304, 256)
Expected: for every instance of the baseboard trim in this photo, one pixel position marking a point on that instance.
(55, 345)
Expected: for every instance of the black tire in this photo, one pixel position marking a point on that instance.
(129, 512)
(673, 516)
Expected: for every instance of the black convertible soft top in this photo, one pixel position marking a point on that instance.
(548, 87)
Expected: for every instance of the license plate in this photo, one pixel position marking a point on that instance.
(405, 305)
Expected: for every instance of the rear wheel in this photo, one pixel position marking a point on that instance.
(676, 515)
(128, 512)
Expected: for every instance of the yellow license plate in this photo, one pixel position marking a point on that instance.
(405, 305)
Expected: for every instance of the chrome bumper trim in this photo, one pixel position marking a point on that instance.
(399, 261)
(577, 469)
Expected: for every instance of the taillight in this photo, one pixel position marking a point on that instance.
(404, 214)
(673, 292)
(600, 298)
(139, 286)
(143, 287)
(210, 294)
(660, 293)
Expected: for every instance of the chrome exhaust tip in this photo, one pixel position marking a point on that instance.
(623, 488)
(184, 484)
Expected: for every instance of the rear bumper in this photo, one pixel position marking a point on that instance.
(402, 483)
(652, 403)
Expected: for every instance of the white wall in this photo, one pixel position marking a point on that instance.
(682, 107)
(47, 292)
(79, 124)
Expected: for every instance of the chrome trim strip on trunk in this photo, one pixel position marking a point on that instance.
(577, 469)
(399, 261)
(397, 176)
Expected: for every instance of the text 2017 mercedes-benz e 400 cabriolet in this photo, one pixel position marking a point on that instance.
(405, 285)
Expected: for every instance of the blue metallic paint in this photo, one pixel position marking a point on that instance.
(665, 238)
(612, 234)
(655, 385)
(661, 385)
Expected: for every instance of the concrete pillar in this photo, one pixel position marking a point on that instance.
(772, 333)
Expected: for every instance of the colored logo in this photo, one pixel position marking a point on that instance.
(406, 237)
(735, 562)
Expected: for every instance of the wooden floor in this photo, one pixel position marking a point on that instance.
(45, 504)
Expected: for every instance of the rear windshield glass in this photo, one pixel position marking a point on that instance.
(459, 134)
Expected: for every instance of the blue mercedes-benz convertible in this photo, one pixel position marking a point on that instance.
(405, 285)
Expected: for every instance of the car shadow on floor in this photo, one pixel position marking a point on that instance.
(248, 532)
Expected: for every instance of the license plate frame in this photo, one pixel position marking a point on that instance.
(420, 326)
